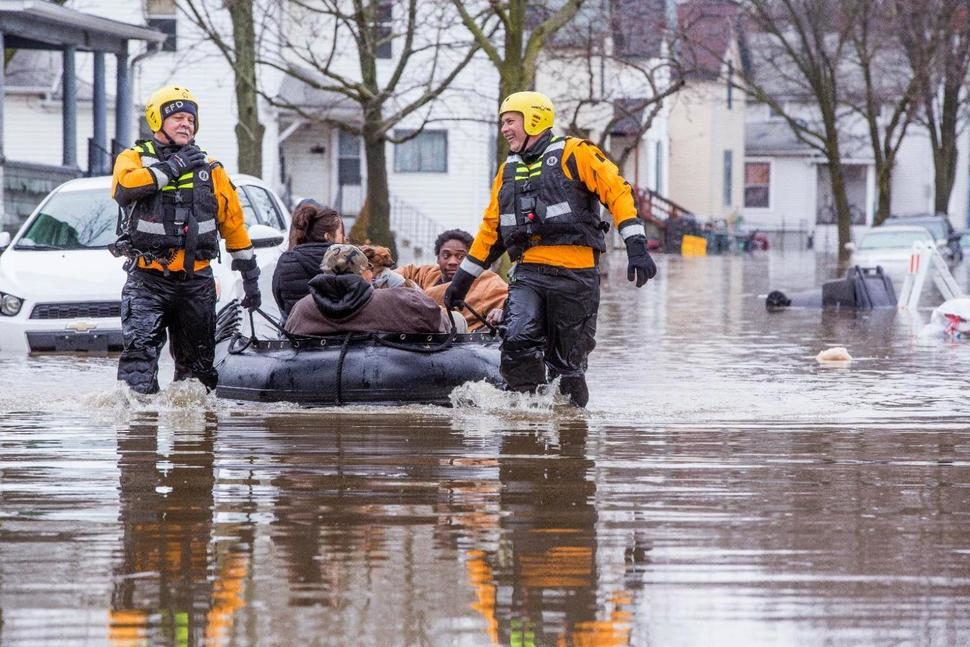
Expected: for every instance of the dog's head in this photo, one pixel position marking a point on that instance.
(379, 257)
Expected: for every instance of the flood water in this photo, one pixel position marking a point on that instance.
(723, 488)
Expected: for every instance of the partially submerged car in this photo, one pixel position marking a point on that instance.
(889, 248)
(939, 226)
(60, 287)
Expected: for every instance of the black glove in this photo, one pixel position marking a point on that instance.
(187, 158)
(457, 289)
(250, 275)
(639, 264)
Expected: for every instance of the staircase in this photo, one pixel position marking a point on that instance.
(414, 232)
(665, 221)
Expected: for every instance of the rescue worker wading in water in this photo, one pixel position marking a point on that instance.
(174, 205)
(544, 211)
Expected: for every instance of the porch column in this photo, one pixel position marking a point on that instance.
(69, 108)
(99, 159)
(123, 100)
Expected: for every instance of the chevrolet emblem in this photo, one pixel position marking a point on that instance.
(81, 326)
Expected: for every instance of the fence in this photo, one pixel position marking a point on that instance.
(414, 232)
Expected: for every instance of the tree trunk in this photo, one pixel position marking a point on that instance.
(945, 157)
(249, 130)
(884, 193)
(378, 201)
(841, 199)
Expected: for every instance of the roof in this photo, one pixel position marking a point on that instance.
(32, 71)
(773, 138)
(326, 105)
(708, 28)
(37, 24)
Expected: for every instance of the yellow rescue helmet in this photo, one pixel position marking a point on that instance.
(537, 110)
(166, 101)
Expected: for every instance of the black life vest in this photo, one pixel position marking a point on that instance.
(180, 216)
(539, 205)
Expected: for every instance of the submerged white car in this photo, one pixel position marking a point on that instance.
(60, 287)
(888, 247)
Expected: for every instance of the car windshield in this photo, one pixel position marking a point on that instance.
(73, 220)
(258, 207)
(935, 227)
(887, 239)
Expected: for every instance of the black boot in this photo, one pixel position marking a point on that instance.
(575, 387)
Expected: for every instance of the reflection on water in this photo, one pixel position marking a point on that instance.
(723, 488)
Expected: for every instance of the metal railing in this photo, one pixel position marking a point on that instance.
(414, 231)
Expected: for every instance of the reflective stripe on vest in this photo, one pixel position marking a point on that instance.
(544, 206)
(182, 215)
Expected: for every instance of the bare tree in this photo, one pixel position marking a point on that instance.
(523, 28)
(241, 56)
(391, 67)
(883, 91)
(936, 39)
(385, 61)
(799, 50)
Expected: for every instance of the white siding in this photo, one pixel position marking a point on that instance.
(32, 130)
(792, 196)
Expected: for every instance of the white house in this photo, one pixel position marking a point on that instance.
(707, 117)
(786, 181)
(439, 179)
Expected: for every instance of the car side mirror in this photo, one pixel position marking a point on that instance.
(850, 246)
(4, 240)
(264, 236)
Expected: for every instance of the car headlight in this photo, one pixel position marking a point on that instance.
(10, 305)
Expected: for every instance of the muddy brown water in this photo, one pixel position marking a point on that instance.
(723, 488)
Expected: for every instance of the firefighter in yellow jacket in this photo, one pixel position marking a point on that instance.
(175, 203)
(544, 211)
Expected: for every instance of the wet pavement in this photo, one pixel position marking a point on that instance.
(723, 488)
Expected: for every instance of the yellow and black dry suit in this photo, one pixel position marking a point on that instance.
(560, 181)
(169, 230)
(157, 217)
(544, 210)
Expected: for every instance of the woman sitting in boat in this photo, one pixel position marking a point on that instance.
(341, 299)
(313, 229)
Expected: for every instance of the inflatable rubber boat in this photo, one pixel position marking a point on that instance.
(862, 288)
(376, 368)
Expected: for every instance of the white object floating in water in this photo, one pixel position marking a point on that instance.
(951, 318)
(836, 354)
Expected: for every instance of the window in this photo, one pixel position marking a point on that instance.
(728, 177)
(382, 29)
(427, 152)
(348, 159)
(730, 84)
(160, 15)
(259, 207)
(757, 185)
(658, 167)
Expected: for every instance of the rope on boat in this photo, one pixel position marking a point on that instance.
(340, 368)
(492, 329)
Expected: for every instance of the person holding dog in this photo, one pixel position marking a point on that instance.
(544, 211)
(342, 299)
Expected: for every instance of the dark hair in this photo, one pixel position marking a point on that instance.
(312, 222)
(452, 234)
